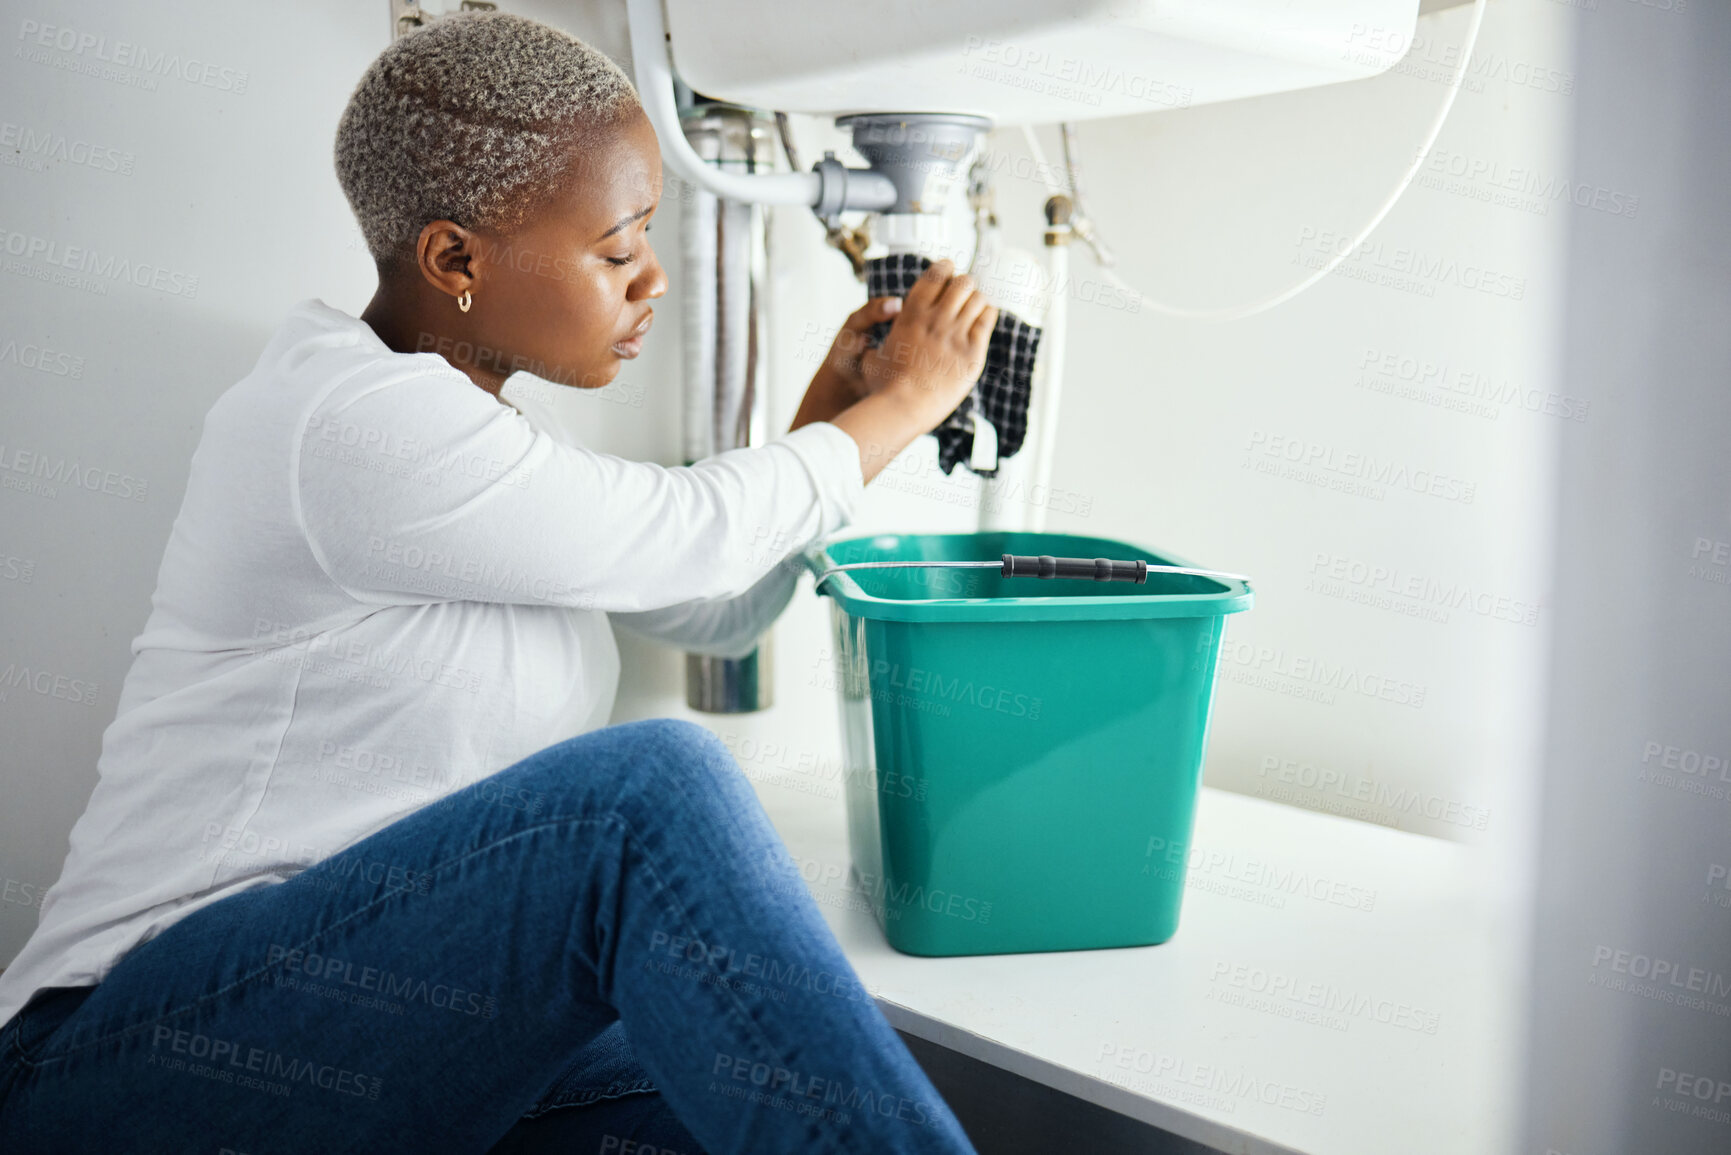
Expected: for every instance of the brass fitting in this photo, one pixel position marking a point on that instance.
(1058, 212)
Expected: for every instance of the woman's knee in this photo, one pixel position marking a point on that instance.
(673, 761)
(683, 740)
(653, 764)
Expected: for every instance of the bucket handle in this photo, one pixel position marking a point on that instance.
(1046, 567)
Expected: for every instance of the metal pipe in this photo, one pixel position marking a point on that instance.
(724, 258)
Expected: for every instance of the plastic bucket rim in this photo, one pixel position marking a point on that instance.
(844, 590)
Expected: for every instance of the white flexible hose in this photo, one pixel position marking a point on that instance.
(1241, 311)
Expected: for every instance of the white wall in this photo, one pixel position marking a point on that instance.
(1205, 206)
(229, 182)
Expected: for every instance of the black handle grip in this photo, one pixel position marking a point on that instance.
(1098, 569)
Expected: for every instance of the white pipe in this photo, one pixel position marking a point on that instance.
(1050, 391)
(1049, 365)
(650, 61)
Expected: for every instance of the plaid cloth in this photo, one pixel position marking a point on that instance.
(1004, 386)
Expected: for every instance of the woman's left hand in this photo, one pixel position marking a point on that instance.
(843, 360)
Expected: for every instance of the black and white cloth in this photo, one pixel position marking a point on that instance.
(1004, 386)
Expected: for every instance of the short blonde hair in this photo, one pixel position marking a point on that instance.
(469, 119)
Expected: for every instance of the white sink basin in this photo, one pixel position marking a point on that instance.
(1027, 61)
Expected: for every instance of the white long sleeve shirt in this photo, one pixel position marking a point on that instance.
(383, 584)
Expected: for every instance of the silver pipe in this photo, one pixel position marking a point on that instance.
(725, 264)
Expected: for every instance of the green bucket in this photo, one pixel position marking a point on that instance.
(1021, 755)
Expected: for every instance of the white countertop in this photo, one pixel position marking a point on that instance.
(1334, 988)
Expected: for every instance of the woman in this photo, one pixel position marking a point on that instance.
(366, 870)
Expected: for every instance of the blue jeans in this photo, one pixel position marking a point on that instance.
(603, 948)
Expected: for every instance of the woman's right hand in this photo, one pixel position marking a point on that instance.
(936, 346)
(926, 366)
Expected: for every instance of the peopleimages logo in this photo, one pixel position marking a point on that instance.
(226, 1060)
(384, 982)
(41, 359)
(1269, 452)
(1230, 1087)
(47, 683)
(1697, 1096)
(917, 688)
(1403, 267)
(1462, 389)
(1718, 875)
(1702, 1087)
(1326, 997)
(1480, 177)
(724, 963)
(1682, 768)
(22, 146)
(357, 659)
(44, 474)
(1261, 874)
(88, 46)
(22, 893)
(387, 451)
(1366, 583)
(394, 767)
(890, 900)
(104, 266)
(1066, 77)
(1354, 787)
(803, 1091)
(442, 573)
(1305, 676)
(1668, 980)
(1710, 561)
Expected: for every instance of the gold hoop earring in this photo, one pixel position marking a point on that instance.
(464, 301)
